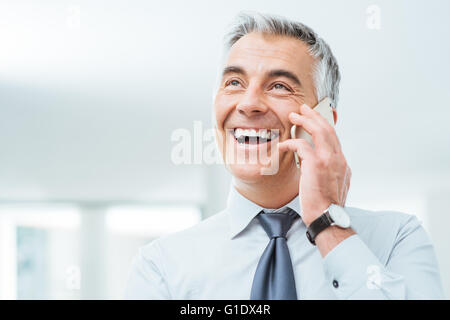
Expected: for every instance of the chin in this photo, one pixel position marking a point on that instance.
(251, 160)
(253, 173)
(246, 172)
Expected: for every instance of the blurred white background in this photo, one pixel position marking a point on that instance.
(91, 91)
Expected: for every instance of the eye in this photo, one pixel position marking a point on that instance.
(280, 86)
(233, 83)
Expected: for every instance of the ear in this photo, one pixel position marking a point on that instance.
(334, 115)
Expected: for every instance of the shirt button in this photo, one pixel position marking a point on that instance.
(335, 284)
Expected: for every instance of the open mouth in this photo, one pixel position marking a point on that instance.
(255, 136)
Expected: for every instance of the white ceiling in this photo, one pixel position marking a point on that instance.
(87, 112)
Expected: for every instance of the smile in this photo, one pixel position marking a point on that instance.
(255, 136)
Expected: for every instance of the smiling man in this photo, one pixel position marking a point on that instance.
(286, 232)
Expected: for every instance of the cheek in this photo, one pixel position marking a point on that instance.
(291, 102)
(283, 107)
(223, 105)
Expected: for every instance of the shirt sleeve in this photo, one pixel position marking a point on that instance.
(411, 271)
(145, 279)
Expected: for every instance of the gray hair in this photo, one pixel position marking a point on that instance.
(326, 70)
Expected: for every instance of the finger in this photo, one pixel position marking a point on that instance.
(319, 135)
(309, 112)
(300, 146)
(322, 122)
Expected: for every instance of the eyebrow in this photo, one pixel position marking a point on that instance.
(271, 74)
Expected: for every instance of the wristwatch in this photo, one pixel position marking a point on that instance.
(334, 215)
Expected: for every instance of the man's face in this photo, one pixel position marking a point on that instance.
(265, 77)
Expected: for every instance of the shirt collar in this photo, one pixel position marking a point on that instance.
(242, 211)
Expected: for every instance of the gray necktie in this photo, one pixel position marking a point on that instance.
(274, 277)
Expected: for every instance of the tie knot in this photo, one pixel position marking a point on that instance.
(277, 224)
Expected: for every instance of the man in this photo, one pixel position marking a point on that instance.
(285, 234)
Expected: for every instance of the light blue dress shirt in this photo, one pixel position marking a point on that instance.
(390, 257)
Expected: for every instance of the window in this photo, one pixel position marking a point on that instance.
(37, 244)
(50, 251)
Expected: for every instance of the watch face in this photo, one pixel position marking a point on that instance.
(339, 216)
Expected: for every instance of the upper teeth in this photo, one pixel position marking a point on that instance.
(261, 133)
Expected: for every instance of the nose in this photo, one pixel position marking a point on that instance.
(251, 104)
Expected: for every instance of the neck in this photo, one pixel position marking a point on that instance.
(272, 192)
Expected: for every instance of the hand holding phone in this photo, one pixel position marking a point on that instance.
(324, 107)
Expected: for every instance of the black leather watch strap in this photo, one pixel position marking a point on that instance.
(317, 226)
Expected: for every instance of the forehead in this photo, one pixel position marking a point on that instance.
(257, 52)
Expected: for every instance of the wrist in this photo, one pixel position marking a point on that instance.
(310, 215)
(333, 216)
(329, 238)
